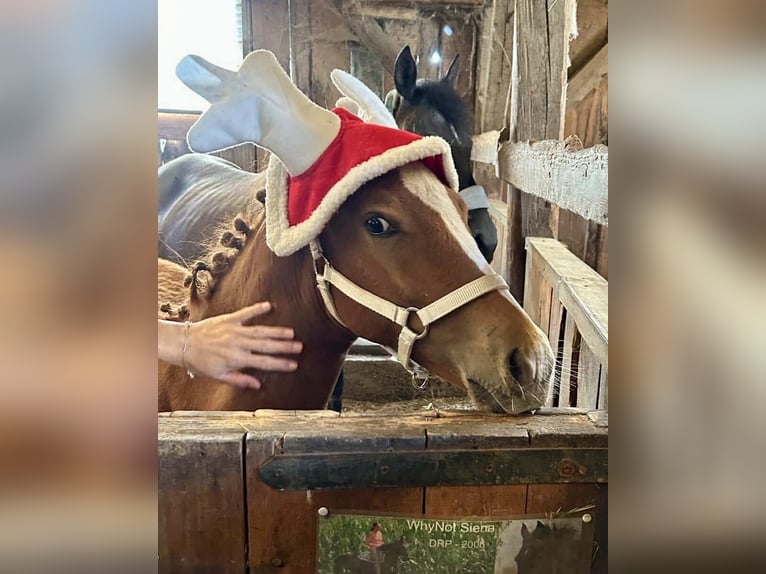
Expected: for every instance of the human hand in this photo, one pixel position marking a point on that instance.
(221, 346)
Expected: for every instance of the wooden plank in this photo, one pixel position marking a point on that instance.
(489, 500)
(436, 468)
(278, 525)
(577, 181)
(589, 77)
(450, 501)
(269, 28)
(485, 147)
(174, 126)
(588, 374)
(556, 338)
(366, 67)
(330, 49)
(542, 30)
(569, 361)
(372, 10)
(583, 292)
(497, 39)
(484, 63)
(461, 41)
(429, 41)
(370, 33)
(300, 44)
(592, 32)
(532, 292)
(243, 155)
(603, 389)
(201, 502)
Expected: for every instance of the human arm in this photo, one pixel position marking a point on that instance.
(220, 346)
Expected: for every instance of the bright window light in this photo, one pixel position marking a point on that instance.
(209, 28)
(436, 58)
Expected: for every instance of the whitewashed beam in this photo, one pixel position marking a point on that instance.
(485, 147)
(559, 172)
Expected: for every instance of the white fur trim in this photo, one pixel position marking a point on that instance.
(285, 240)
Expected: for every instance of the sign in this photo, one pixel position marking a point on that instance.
(380, 544)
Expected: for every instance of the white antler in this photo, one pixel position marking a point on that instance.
(370, 108)
(259, 104)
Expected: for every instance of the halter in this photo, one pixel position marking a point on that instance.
(395, 313)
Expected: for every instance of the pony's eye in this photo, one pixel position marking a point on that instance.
(378, 226)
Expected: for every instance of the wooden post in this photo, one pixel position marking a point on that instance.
(542, 30)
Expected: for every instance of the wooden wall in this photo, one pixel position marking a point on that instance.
(312, 37)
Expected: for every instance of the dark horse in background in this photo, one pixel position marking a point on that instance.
(393, 553)
(548, 549)
(196, 195)
(434, 108)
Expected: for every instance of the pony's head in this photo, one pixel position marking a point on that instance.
(393, 256)
(404, 237)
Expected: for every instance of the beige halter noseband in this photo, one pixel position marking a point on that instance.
(395, 313)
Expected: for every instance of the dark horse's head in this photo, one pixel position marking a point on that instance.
(434, 108)
(548, 550)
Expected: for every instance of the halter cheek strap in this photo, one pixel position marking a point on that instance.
(395, 313)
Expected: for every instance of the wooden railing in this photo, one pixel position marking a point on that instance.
(569, 301)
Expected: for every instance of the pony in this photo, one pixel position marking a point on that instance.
(392, 554)
(434, 108)
(548, 550)
(395, 263)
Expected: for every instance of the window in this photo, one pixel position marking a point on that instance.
(209, 28)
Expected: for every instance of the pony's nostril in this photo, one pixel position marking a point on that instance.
(513, 363)
(522, 369)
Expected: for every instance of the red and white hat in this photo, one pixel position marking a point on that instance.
(320, 158)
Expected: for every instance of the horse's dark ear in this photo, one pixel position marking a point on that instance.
(524, 531)
(540, 524)
(452, 73)
(405, 73)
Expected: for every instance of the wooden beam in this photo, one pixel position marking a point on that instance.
(484, 64)
(574, 180)
(582, 291)
(485, 147)
(369, 33)
(542, 29)
(171, 126)
(589, 77)
(592, 32)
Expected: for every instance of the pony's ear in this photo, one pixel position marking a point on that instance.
(524, 531)
(405, 73)
(452, 73)
(540, 524)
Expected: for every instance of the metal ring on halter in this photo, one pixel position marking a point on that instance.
(425, 328)
(419, 373)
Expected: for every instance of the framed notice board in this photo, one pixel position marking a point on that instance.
(384, 544)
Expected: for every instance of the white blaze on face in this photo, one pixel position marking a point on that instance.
(420, 182)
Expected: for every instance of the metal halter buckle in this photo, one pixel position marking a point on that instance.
(415, 310)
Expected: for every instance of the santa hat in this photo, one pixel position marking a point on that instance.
(320, 157)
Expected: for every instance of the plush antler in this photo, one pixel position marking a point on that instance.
(370, 108)
(259, 104)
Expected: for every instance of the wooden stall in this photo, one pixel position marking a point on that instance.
(240, 491)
